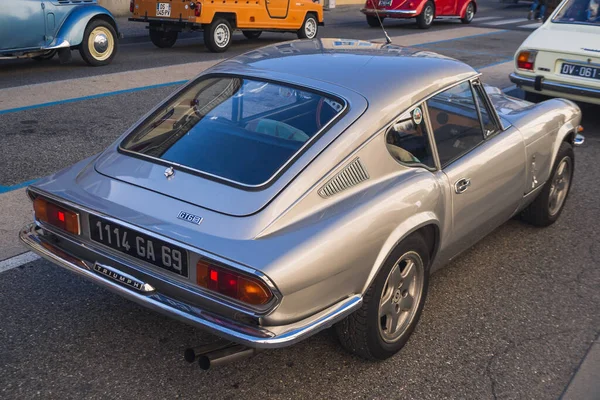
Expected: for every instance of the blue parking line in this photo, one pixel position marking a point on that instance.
(94, 96)
(4, 189)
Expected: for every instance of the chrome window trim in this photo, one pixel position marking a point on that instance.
(478, 87)
(278, 172)
(87, 243)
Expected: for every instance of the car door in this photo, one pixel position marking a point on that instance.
(445, 7)
(482, 163)
(277, 8)
(22, 24)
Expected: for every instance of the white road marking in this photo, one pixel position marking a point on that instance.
(17, 261)
(479, 19)
(531, 26)
(506, 21)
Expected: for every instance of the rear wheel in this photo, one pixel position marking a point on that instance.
(392, 305)
(99, 44)
(309, 28)
(469, 14)
(373, 21)
(217, 35)
(548, 205)
(162, 39)
(252, 34)
(425, 19)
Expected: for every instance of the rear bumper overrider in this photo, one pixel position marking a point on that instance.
(249, 335)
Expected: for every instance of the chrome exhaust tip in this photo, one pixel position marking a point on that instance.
(192, 354)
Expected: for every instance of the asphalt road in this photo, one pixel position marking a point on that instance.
(511, 318)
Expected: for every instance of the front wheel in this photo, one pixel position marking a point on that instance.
(162, 39)
(392, 305)
(217, 35)
(252, 35)
(425, 19)
(309, 28)
(548, 205)
(469, 14)
(99, 44)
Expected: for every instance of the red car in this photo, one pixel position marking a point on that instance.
(423, 10)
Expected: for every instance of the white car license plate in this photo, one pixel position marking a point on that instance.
(163, 9)
(580, 70)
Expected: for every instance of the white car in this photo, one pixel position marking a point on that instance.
(562, 57)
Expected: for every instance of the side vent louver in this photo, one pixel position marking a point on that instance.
(352, 174)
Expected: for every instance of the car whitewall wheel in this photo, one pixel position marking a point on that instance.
(101, 43)
(400, 296)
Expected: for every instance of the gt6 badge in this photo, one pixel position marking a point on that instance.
(194, 219)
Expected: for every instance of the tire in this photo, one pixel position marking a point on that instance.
(469, 14)
(217, 35)
(309, 28)
(45, 56)
(162, 39)
(549, 203)
(425, 19)
(373, 21)
(99, 44)
(362, 332)
(252, 35)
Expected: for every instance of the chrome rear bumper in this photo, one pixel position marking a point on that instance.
(248, 335)
(389, 13)
(523, 81)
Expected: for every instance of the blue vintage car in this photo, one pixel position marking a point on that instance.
(39, 29)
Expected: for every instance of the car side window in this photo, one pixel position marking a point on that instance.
(408, 142)
(455, 122)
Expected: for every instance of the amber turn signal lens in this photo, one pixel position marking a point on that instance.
(232, 284)
(57, 216)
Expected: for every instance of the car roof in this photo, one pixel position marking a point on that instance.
(378, 71)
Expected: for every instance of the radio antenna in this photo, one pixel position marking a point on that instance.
(387, 37)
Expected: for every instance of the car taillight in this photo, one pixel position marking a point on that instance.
(526, 60)
(131, 6)
(55, 215)
(197, 9)
(232, 284)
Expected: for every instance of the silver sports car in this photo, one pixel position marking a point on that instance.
(306, 185)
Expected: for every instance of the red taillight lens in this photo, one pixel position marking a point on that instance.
(131, 6)
(231, 284)
(52, 214)
(526, 60)
(197, 9)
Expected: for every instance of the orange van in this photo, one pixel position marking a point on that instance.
(219, 18)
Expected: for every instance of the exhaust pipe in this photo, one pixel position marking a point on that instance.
(224, 356)
(192, 354)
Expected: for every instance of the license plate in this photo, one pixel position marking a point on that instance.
(385, 3)
(138, 245)
(163, 9)
(580, 71)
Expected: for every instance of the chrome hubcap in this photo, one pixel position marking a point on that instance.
(559, 186)
(310, 28)
(100, 43)
(221, 35)
(470, 12)
(400, 296)
(428, 15)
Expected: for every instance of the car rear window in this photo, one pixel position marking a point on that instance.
(242, 130)
(579, 12)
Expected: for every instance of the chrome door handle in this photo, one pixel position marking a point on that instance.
(462, 185)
